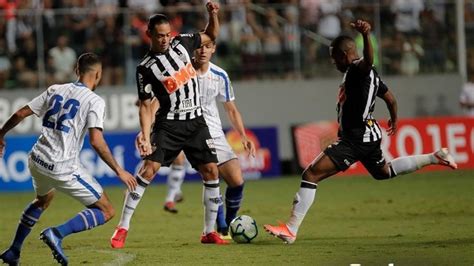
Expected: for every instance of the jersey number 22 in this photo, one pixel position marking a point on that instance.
(71, 105)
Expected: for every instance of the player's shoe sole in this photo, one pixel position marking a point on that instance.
(280, 231)
(445, 158)
(118, 238)
(213, 238)
(54, 243)
(10, 257)
(170, 207)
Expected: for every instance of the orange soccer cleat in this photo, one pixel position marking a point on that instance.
(281, 231)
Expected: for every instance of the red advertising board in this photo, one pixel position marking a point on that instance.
(414, 136)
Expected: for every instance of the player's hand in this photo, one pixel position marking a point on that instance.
(361, 26)
(392, 127)
(129, 180)
(2, 146)
(249, 146)
(143, 146)
(212, 7)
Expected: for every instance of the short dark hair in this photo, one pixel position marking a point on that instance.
(86, 61)
(157, 19)
(341, 43)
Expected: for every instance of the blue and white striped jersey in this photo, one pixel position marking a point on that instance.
(67, 111)
(214, 86)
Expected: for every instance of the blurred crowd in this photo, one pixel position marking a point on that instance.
(40, 39)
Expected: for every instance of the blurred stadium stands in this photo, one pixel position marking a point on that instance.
(259, 39)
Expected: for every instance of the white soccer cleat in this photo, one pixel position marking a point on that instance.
(445, 158)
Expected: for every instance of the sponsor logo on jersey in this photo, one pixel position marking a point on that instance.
(41, 162)
(179, 78)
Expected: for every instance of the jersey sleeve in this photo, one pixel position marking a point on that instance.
(226, 91)
(190, 41)
(382, 89)
(96, 115)
(39, 105)
(144, 83)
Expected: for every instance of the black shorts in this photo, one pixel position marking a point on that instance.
(170, 137)
(344, 153)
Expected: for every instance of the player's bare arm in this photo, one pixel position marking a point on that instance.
(235, 119)
(364, 28)
(392, 107)
(146, 119)
(139, 140)
(14, 120)
(97, 142)
(212, 28)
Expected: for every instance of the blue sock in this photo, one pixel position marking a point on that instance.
(28, 219)
(233, 197)
(221, 216)
(85, 220)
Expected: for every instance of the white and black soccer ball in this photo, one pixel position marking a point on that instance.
(243, 229)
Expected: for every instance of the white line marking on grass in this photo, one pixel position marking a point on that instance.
(121, 258)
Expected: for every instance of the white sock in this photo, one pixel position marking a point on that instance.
(174, 181)
(211, 199)
(303, 200)
(407, 164)
(131, 201)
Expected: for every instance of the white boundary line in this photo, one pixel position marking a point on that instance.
(121, 258)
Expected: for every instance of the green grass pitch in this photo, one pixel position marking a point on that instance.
(418, 219)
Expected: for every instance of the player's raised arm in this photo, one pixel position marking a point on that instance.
(212, 28)
(364, 28)
(235, 119)
(97, 142)
(392, 107)
(14, 120)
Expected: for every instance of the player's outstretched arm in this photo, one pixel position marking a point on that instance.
(14, 120)
(97, 142)
(212, 28)
(392, 107)
(364, 28)
(235, 119)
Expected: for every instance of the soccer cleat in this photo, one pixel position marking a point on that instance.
(213, 238)
(281, 231)
(445, 158)
(50, 238)
(170, 207)
(11, 257)
(224, 231)
(118, 238)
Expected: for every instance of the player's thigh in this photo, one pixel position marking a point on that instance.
(231, 172)
(342, 153)
(375, 163)
(42, 183)
(320, 168)
(199, 148)
(81, 186)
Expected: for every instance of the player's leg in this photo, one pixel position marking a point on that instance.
(201, 153)
(44, 189)
(29, 218)
(407, 164)
(232, 174)
(145, 175)
(174, 182)
(337, 157)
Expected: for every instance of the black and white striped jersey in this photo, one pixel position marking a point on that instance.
(171, 78)
(356, 103)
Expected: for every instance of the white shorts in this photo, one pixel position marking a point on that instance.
(79, 185)
(223, 150)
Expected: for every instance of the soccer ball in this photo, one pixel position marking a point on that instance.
(243, 229)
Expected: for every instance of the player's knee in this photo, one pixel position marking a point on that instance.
(109, 213)
(381, 175)
(149, 171)
(310, 175)
(209, 172)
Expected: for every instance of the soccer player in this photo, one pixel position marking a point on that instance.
(68, 111)
(166, 72)
(216, 87)
(359, 133)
